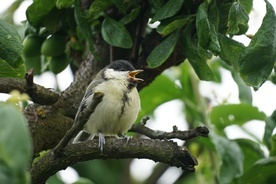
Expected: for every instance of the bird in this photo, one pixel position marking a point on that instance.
(116, 110)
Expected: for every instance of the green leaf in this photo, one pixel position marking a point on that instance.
(257, 60)
(230, 50)
(231, 157)
(10, 44)
(168, 10)
(270, 124)
(224, 115)
(53, 21)
(166, 90)
(247, 5)
(245, 94)
(213, 17)
(131, 16)
(156, 4)
(8, 71)
(83, 180)
(223, 7)
(37, 11)
(263, 171)
(203, 25)
(189, 93)
(121, 5)
(196, 56)
(162, 51)
(238, 19)
(115, 34)
(98, 6)
(170, 25)
(251, 151)
(15, 152)
(272, 151)
(54, 179)
(84, 26)
(64, 3)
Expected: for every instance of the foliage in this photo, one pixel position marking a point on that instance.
(15, 145)
(201, 29)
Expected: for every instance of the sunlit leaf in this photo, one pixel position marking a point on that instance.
(166, 90)
(257, 60)
(224, 115)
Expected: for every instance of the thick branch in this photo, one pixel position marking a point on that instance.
(38, 93)
(160, 151)
(47, 126)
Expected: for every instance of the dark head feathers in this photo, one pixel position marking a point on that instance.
(121, 65)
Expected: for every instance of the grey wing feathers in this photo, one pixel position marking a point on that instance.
(89, 92)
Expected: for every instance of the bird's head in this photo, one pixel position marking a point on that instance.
(122, 70)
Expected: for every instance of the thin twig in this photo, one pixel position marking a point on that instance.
(175, 134)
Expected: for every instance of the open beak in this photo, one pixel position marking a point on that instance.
(132, 75)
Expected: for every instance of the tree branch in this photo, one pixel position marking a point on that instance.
(38, 93)
(182, 135)
(160, 151)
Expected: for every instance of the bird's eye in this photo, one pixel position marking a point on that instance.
(122, 69)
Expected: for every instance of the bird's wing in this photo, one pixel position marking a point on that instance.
(88, 95)
(83, 114)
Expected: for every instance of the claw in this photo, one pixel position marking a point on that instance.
(101, 142)
(127, 138)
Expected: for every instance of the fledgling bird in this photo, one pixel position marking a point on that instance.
(119, 106)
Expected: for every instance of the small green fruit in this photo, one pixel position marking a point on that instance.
(53, 46)
(32, 45)
(33, 62)
(58, 63)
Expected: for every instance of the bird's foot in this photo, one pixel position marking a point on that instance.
(125, 137)
(101, 142)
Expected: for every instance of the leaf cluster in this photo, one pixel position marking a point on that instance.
(197, 30)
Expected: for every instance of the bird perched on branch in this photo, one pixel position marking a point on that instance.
(114, 100)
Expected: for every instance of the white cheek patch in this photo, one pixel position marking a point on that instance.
(120, 75)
